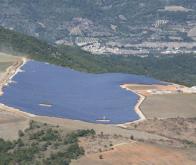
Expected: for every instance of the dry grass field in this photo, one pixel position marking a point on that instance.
(106, 129)
(169, 106)
(16, 121)
(7, 58)
(10, 124)
(182, 130)
(139, 154)
(6, 61)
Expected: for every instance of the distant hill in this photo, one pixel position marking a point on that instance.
(179, 69)
(109, 20)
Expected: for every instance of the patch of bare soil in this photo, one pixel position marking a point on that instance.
(181, 132)
(106, 129)
(7, 57)
(10, 124)
(5, 62)
(169, 106)
(103, 142)
(138, 154)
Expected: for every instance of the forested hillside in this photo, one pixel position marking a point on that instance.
(53, 20)
(180, 69)
(120, 27)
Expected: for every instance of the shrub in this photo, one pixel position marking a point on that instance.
(20, 133)
(132, 137)
(5, 145)
(100, 156)
(73, 137)
(20, 143)
(74, 151)
(36, 135)
(50, 135)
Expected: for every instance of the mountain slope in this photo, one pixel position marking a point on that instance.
(177, 69)
(53, 20)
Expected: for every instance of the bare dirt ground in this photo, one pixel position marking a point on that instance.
(148, 87)
(178, 149)
(113, 145)
(103, 142)
(139, 154)
(7, 57)
(4, 66)
(106, 129)
(8, 66)
(179, 130)
(71, 125)
(147, 90)
(10, 124)
(5, 62)
(169, 106)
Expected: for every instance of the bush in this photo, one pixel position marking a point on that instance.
(73, 137)
(82, 133)
(20, 133)
(57, 159)
(26, 154)
(5, 145)
(50, 135)
(132, 137)
(33, 152)
(74, 151)
(100, 156)
(36, 135)
(31, 126)
(20, 143)
(44, 147)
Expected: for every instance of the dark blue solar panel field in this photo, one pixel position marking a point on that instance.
(49, 90)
